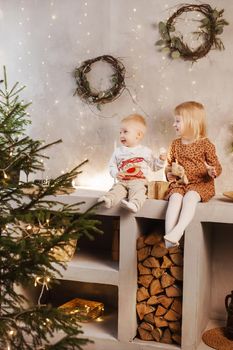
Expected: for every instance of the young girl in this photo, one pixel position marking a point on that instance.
(196, 154)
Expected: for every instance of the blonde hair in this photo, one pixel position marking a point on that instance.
(194, 118)
(137, 120)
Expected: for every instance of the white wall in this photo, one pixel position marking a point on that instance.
(43, 41)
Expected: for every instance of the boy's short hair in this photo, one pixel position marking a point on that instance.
(137, 120)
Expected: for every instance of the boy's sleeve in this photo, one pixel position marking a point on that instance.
(158, 163)
(113, 170)
(211, 157)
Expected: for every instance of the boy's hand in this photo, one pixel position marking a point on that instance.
(162, 154)
(120, 176)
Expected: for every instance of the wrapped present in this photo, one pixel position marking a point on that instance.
(157, 189)
(87, 310)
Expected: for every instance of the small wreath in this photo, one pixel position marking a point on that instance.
(100, 97)
(210, 27)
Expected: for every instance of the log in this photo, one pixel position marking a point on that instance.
(158, 251)
(147, 326)
(164, 300)
(141, 242)
(157, 272)
(152, 300)
(166, 263)
(177, 272)
(149, 318)
(157, 334)
(160, 322)
(167, 280)
(166, 338)
(155, 287)
(173, 291)
(177, 338)
(153, 238)
(143, 253)
(151, 262)
(143, 270)
(160, 311)
(174, 250)
(143, 309)
(142, 294)
(177, 306)
(145, 280)
(175, 327)
(144, 335)
(177, 259)
(172, 315)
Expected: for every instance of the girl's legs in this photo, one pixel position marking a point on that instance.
(190, 200)
(173, 211)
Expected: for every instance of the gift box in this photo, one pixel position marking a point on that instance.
(157, 189)
(87, 310)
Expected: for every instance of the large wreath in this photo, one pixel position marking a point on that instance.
(91, 96)
(210, 27)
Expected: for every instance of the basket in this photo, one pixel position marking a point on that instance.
(157, 189)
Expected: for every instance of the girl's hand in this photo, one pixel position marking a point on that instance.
(170, 176)
(211, 171)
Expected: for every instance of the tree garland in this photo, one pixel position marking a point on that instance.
(210, 27)
(84, 90)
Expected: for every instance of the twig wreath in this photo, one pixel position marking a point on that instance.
(210, 27)
(84, 90)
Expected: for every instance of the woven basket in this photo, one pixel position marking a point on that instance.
(157, 189)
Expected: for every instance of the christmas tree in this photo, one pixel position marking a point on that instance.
(33, 227)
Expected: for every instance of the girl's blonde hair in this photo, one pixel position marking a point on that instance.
(194, 118)
(137, 120)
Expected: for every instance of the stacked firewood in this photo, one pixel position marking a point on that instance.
(159, 294)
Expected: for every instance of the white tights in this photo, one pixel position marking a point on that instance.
(180, 212)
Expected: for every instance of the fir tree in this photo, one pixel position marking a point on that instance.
(31, 226)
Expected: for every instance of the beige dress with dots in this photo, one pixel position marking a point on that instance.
(193, 157)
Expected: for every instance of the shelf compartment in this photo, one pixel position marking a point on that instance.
(208, 277)
(104, 327)
(160, 286)
(104, 248)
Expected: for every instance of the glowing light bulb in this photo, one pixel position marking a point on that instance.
(53, 17)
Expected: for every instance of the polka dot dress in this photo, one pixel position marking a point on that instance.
(193, 157)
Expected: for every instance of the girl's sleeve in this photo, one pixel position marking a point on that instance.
(171, 154)
(170, 158)
(211, 157)
(113, 170)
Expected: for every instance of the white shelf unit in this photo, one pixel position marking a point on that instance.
(207, 258)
